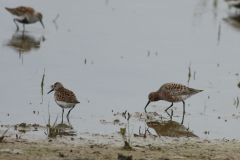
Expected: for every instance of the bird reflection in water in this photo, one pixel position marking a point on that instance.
(169, 128)
(61, 129)
(171, 115)
(24, 43)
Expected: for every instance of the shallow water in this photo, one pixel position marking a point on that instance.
(112, 54)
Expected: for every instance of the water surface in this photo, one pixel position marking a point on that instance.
(112, 54)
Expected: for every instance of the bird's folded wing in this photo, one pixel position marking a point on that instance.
(21, 10)
(67, 96)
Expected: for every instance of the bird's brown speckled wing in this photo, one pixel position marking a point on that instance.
(177, 89)
(66, 95)
(19, 11)
(174, 89)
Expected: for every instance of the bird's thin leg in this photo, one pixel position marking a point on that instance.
(23, 35)
(23, 26)
(183, 117)
(68, 119)
(70, 111)
(14, 20)
(168, 114)
(171, 115)
(183, 107)
(62, 114)
(168, 107)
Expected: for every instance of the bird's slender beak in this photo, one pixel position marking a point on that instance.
(41, 23)
(147, 104)
(50, 91)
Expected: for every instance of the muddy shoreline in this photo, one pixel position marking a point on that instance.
(104, 147)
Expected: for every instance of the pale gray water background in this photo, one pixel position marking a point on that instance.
(115, 37)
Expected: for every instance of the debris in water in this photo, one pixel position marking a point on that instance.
(2, 136)
(56, 18)
(219, 32)
(189, 73)
(236, 102)
(215, 3)
(42, 83)
(22, 125)
(205, 106)
(116, 121)
(124, 114)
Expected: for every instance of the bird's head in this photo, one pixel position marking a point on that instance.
(153, 96)
(56, 87)
(40, 17)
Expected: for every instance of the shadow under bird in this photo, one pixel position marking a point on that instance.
(25, 15)
(172, 92)
(64, 97)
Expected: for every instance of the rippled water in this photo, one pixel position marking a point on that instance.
(112, 54)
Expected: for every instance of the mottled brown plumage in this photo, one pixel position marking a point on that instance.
(20, 11)
(172, 92)
(65, 95)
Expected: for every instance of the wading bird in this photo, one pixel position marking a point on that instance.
(172, 92)
(64, 97)
(25, 15)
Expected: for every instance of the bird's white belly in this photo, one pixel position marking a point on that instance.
(65, 104)
(20, 18)
(182, 98)
(30, 19)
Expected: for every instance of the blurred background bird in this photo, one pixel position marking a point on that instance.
(25, 15)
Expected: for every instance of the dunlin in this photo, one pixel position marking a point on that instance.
(25, 15)
(64, 97)
(172, 92)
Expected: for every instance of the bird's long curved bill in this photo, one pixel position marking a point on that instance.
(41, 23)
(50, 91)
(147, 104)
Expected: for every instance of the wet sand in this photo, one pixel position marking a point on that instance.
(112, 56)
(104, 147)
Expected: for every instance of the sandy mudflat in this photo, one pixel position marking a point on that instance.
(104, 147)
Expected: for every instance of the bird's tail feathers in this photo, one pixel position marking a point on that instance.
(194, 90)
